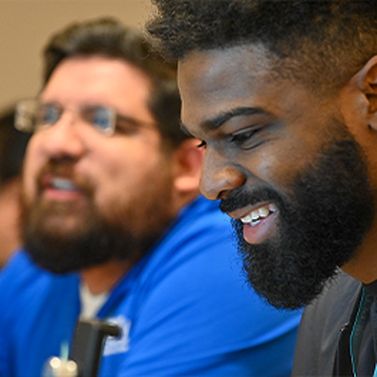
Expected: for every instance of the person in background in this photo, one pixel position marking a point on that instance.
(12, 149)
(114, 227)
(283, 95)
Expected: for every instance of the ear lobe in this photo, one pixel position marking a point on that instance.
(366, 80)
(188, 159)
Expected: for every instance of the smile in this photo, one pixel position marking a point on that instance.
(259, 222)
(60, 189)
(254, 217)
(62, 184)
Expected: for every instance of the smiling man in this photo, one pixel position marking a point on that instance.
(115, 229)
(283, 95)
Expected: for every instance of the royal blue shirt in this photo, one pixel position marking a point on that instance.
(185, 310)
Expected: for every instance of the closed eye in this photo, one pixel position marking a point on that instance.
(126, 126)
(244, 139)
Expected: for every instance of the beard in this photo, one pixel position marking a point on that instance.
(126, 230)
(321, 223)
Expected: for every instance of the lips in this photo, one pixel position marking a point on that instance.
(259, 222)
(59, 188)
(256, 216)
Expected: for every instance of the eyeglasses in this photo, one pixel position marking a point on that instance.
(33, 115)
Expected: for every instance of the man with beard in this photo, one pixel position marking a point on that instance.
(283, 95)
(114, 227)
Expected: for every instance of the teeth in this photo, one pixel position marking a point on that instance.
(255, 223)
(246, 219)
(263, 212)
(272, 207)
(256, 216)
(63, 184)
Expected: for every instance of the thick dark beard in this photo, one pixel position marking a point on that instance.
(126, 232)
(62, 253)
(322, 222)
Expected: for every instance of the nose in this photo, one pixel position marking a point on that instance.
(63, 139)
(219, 176)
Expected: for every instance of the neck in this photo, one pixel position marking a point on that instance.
(102, 278)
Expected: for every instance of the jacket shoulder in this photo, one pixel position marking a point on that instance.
(321, 324)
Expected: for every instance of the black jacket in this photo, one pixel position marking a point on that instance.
(323, 346)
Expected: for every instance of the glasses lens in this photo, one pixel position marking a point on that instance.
(25, 115)
(47, 115)
(32, 115)
(102, 118)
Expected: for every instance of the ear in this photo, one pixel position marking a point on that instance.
(188, 163)
(366, 81)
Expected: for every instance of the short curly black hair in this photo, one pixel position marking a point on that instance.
(323, 41)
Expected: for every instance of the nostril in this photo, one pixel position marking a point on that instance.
(223, 195)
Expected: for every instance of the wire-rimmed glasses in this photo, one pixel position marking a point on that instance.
(33, 115)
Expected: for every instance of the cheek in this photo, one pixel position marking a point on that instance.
(118, 174)
(275, 168)
(281, 162)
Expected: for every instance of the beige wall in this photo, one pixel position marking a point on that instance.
(25, 26)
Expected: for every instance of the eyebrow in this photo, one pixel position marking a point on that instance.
(219, 120)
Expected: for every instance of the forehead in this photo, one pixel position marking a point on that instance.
(210, 81)
(99, 80)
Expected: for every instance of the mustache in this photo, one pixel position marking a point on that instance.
(240, 198)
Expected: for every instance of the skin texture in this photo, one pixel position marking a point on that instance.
(270, 140)
(127, 186)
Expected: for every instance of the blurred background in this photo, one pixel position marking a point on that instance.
(25, 26)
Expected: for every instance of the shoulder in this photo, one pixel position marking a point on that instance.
(202, 218)
(200, 232)
(22, 283)
(197, 250)
(18, 271)
(335, 304)
(321, 324)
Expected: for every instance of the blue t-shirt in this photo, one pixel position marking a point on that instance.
(185, 310)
